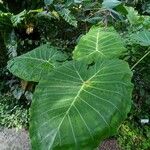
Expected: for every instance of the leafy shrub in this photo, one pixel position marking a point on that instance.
(13, 113)
(62, 24)
(73, 99)
(132, 136)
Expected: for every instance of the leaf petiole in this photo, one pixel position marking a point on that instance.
(139, 60)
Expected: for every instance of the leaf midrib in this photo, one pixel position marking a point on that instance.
(31, 58)
(72, 104)
(97, 44)
(67, 112)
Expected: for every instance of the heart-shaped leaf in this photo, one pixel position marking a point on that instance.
(36, 63)
(99, 42)
(78, 105)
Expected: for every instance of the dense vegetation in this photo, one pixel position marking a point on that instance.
(63, 31)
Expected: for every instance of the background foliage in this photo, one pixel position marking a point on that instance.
(24, 25)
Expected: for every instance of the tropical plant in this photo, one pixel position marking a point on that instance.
(13, 113)
(25, 25)
(77, 103)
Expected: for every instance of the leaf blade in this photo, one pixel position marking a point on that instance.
(74, 114)
(36, 63)
(99, 42)
(67, 16)
(110, 3)
(142, 38)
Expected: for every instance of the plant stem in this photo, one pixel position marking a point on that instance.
(139, 60)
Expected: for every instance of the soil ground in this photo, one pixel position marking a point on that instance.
(12, 139)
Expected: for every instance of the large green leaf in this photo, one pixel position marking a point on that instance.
(142, 38)
(36, 63)
(99, 42)
(78, 105)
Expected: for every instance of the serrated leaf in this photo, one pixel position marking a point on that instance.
(77, 105)
(67, 16)
(99, 42)
(36, 63)
(17, 19)
(132, 15)
(142, 38)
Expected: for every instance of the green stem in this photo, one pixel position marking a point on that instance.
(139, 60)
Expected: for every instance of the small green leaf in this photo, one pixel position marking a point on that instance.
(110, 3)
(142, 38)
(76, 106)
(17, 19)
(36, 63)
(132, 15)
(93, 20)
(99, 42)
(67, 16)
(48, 2)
